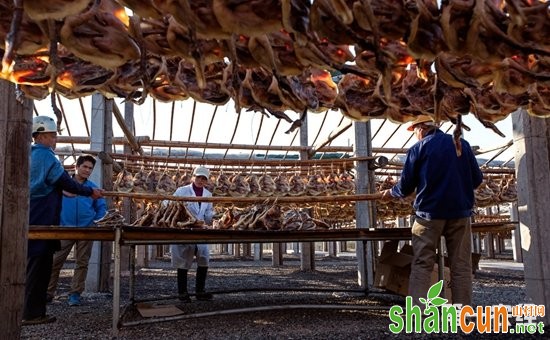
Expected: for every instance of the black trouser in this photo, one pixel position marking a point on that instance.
(39, 270)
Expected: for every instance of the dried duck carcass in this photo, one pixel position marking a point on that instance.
(100, 35)
(509, 193)
(146, 216)
(124, 181)
(484, 195)
(30, 37)
(176, 215)
(176, 177)
(226, 220)
(296, 219)
(357, 98)
(273, 219)
(185, 179)
(316, 185)
(222, 185)
(245, 218)
(258, 217)
(211, 184)
(282, 187)
(346, 184)
(250, 17)
(331, 181)
(166, 184)
(297, 186)
(53, 9)
(292, 220)
(254, 185)
(151, 181)
(239, 186)
(267, 185)
(140, 181)
(79, 78)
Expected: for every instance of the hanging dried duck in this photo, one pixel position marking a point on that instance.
(166, 184)
(239, 186)
(100, 35)
(124, 182)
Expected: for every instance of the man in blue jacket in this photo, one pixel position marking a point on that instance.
(444, 184)
(77, 211)
(47, 180)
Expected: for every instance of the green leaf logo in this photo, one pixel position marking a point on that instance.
(435, 290)
(433, 299)
(438, 301)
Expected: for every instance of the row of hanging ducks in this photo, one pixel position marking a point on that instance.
(240, 184)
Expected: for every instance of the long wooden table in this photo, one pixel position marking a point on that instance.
(132, 236)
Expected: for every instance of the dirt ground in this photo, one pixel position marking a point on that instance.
(259, 291)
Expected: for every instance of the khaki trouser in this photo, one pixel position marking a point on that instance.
(425, 239)
(83, 252)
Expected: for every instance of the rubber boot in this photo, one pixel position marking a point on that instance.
(201, 294)
(183, 295)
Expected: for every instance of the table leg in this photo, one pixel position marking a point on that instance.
(116, 284)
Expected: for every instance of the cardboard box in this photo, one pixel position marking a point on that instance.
(394, 268)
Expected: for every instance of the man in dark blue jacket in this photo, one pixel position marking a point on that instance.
(444, 184)
(77, 211)
(47, 180)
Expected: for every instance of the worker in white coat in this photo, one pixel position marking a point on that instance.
(183, 254)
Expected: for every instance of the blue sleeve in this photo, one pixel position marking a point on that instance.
(66, 183)
(100, 208)
(477, 175)
(409, 177)
(99, 205)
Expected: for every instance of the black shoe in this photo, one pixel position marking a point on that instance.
(184, 298)
(39, 320)
(204, 296)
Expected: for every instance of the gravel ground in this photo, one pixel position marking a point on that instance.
(93, 320)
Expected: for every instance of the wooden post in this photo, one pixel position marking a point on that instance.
(258, 251)
(532, 160)
(128, 207)
(498, 244)
(489, 246)
(364, 211)
(489, 239)
(332, 249)
(101, 135)
(516, 234)
(15, 140)
(307, 254)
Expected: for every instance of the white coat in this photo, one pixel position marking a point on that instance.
(182, 254)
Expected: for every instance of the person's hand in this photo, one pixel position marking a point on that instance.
(97, 193)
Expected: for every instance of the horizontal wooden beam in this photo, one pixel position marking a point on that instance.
(230, 199)
(146, 141)
(86, 140)
(227, 161)
(156, 235)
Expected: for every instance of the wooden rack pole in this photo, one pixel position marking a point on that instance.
(234, 161)
(333, 135)
(230, 199)
(147, 141)
(129, 135)
(141, 140)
